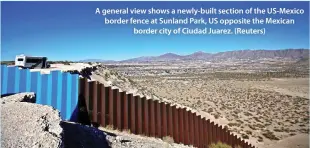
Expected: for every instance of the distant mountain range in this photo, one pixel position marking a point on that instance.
(238, 54)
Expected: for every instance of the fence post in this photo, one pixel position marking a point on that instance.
(111, 112)
(196, 121)
(94, 99)
(230, 139)
(125, 110)
(175, 124)
(132, 114)
(102, 104)
(235, 141)
(170, 120)
(146, 117)
(205, 133)
(191, 128)
(164, 119)
(152, 118)
(201, 133)
(186, 128)
(118, 113)
(181, 125)
(158, 119)
(143, 101)
(212, 133)
(139, 114)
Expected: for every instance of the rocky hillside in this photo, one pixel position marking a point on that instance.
(29, 125)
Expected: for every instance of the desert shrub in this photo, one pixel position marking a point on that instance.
(219, 145)
(216, 116)
(234, 124)
(268, 134)
(244, 136)
(260, 139)
(248, 132)
(292, 134)
(247, 114)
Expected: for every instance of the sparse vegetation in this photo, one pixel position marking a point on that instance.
(268, 134)
(244, 136)
(249, 97)
(219, 145)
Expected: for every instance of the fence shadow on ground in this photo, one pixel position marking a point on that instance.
(80, 136)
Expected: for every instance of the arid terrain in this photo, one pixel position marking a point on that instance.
(265, 101)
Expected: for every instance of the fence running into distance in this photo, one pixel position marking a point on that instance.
(57, 89)
(110, 107)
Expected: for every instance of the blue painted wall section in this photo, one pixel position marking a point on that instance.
(57, 89)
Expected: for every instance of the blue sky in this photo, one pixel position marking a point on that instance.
(72, 31)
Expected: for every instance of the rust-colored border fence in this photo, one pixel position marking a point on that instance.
(109, 107)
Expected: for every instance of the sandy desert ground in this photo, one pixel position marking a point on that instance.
(268, 109)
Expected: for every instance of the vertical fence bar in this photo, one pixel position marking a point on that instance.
(101, 103)
(215, 132)
(239, 141)
(164, 119)
(235, 141)
(158, 119)
(139, 114)
(90, 100)
(146, 117)
(4, 79)
(175, 124)
(227, 137)
(181, 124)
(81, 95)
(118, 109)
(209, 131)
(152, 118)
(201, 133)
(86, 90)
(74, 96)
(95, 103)
(17, 80)
(111, 112)
(230, 142)
(170, 122)
(186, 128)
(224, 133)
(143, 101)
(132, 114)
(49, 93)
(196, 121)
(212, 134)
(11, 80)
(205, 133)
(218, 131)
(125, 110)
(191, 128)
(64, 95)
